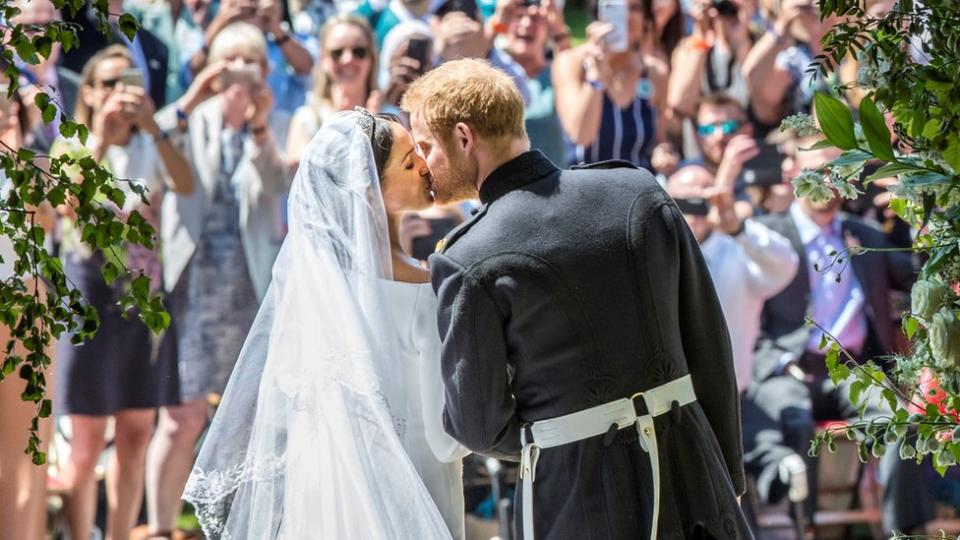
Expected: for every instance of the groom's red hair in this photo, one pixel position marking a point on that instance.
(469, 91)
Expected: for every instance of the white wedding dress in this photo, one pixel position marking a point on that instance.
(330, 426)
(419, 396)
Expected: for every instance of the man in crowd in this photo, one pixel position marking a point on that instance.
(849, 298)
(748, 262)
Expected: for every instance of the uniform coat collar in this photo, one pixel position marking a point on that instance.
(524, 169)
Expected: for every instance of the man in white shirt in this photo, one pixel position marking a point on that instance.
(748, 262)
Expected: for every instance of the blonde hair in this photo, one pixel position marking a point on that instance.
(321, 83)
(238, 36)
(82, 112)
(469, 91)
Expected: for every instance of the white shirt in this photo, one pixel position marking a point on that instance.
(746, 271)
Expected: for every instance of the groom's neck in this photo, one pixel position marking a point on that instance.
(493, 156)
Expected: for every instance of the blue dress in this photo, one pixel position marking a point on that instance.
(626, 134)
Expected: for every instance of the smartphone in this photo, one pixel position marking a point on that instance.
(423, 246)
(763, 170)
(615, 12)
(418, 48)
(132, 77)
(246, 74)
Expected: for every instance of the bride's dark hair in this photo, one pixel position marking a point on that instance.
(377, 127)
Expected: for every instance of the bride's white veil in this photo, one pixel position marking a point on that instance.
(303, 445)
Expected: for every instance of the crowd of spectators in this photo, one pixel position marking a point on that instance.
(213, 102)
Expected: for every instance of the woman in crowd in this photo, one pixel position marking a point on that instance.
(776, 68)
(605, 99)
(526, 38)
(668, 25)
(113, 374)
(346, 77)
(22, 484)
(219, 245)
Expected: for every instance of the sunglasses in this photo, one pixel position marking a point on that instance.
(108, 83)
(728, 127)
(357, 52)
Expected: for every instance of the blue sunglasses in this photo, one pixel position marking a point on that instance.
(727, 127)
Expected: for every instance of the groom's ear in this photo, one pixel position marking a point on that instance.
(464, 137)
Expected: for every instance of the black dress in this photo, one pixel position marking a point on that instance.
(121, 367)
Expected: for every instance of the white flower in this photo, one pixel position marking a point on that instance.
(945, 340)
(927, 297)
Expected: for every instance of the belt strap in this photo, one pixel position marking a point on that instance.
(597, 421)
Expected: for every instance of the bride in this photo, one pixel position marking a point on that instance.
(330, 427)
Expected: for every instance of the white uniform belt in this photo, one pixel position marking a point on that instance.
(597, 421)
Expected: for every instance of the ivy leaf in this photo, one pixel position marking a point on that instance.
(835, 121)
(128, 25)
(46, 407)
(875, 130)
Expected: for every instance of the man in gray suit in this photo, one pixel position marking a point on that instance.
(791, 391)
(581, 331)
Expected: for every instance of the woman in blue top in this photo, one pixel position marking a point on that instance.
(607, 100)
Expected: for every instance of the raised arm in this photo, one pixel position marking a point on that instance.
(579, 77)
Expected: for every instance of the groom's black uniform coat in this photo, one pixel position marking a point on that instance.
(570, 289)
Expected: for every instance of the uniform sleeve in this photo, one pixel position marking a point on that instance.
(703, 333)
(480, 409)
(444, 447)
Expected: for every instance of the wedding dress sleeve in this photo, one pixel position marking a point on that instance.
(427, 340)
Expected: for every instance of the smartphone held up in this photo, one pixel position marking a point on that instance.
(616, 13)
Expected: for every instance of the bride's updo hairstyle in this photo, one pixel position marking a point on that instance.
(378, 129)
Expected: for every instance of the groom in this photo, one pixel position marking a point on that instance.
(581, 332)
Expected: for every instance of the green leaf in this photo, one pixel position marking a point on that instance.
(25, 154)
(952, 154)
(141, 288)
(835, 121)
(892, 401)
(925, 179)
(893, 168)
(911, 327)
(25, 50)
(851, 157)
(68, 129)
(41, 100)
(875, 130)
(856, 389)
(46, 407)
(49, 113)
(110, 272)
(128, 25)
(931, 128)
(44, 45)
(819, 145)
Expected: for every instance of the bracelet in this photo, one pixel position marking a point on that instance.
(281, 39)
(699, 44)
(596, 84)
(258, 130)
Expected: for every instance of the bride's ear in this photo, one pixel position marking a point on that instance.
(464, 137)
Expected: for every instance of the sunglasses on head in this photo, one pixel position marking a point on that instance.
(728, 127)
(357, 52)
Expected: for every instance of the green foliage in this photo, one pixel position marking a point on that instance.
(38, 314)
(908, 63)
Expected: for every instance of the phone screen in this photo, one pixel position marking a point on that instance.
(418, 49)
(615, 12)
(132, 77)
